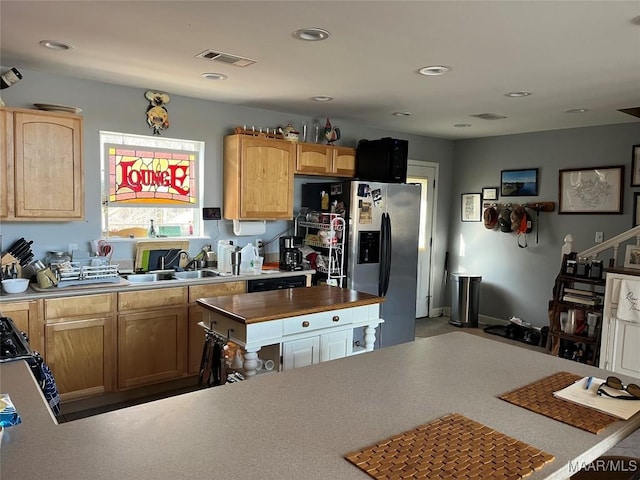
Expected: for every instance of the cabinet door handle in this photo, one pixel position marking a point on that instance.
(336, 318)
(305, 324)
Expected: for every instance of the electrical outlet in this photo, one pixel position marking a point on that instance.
(259, 244)
(71, 247)
(599, 237)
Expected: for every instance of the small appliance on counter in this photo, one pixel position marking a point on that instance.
(290, 254)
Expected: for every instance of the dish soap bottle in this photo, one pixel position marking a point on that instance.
(151, 233)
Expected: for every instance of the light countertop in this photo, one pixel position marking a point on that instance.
(299, 424)
(123, 286)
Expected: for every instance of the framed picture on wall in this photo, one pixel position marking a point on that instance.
(471, 207)
(635, 166)
(591, 190)
(489, 193)
(632, 257)
(636, 209)
(519, 183)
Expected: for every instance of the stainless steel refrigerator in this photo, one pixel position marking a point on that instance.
(382, 247)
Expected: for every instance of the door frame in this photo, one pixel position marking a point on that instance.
(418, 169)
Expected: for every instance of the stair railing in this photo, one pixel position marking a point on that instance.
(613, 243)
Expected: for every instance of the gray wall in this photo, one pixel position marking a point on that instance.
(122, 109)
(518, 281)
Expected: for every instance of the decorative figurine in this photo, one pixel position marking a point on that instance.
(331, 133)
(157, 114)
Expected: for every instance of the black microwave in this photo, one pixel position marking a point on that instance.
(383, 160)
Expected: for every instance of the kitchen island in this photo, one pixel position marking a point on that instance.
(299, 424)
(311, 325)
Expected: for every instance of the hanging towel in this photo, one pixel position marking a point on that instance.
(629, 301)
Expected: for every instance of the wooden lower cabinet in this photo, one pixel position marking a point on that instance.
(80, 344)
(151, 346)
(80, 355)
(26, 316)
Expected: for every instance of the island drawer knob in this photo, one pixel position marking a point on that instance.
(305, 323)
(336, 318)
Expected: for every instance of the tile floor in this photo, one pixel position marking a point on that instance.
(429, 327)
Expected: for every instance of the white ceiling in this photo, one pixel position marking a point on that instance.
(569, 54)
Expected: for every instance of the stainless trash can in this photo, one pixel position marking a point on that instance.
(465, 297)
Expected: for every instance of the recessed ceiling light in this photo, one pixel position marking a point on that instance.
(214, 76)
(636, 21)
(55, 45)
(517, 94)
(434, 70)
(462, 125)
(577, 110)
(322, 98)
(311, 34)
(402, 114)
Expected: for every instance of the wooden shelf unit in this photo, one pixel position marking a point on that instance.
(578, 346)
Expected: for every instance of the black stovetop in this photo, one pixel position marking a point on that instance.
(14, 344)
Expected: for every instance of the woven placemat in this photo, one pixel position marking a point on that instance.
(452, 447)
(538, 397)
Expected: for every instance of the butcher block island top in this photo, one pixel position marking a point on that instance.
(276, 304)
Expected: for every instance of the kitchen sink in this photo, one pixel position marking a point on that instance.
(143, 277)
(194, 274)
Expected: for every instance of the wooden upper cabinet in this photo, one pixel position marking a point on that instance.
(6, 166)
(327, 160)
(314, 159)
(45, 165)
(258, 178)
(344, 162)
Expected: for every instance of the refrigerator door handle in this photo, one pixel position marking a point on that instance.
(388, 254)
(385, 255)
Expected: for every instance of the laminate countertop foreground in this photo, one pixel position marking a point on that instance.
(299, 424)
(272, 305)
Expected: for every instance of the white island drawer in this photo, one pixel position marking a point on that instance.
(317, 321)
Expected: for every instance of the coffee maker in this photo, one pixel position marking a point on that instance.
(290, 255)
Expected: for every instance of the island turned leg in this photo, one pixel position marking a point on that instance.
(369, 336)
(250, 361)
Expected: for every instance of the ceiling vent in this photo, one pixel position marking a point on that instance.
(634, 111)
(488, 116)
(227, 58)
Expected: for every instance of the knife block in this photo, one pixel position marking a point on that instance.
(8, 259)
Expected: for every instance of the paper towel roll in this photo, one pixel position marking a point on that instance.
(252, 228)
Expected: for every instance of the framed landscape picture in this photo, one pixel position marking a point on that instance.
(471, 207)
(591, 190)
(519, 183)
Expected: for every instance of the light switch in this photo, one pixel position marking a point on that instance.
(599, 237)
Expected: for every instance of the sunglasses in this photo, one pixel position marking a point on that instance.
(613, 382)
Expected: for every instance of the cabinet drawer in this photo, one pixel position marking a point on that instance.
(226, 327)
(156, 298)
(316, 321)
(216, 289)
(78, 306)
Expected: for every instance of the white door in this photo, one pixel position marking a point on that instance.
(335, 345)
(300, 353)
(425, 173)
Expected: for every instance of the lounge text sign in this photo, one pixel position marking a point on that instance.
(142, 175)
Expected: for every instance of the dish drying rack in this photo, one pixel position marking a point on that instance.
(77, 273)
